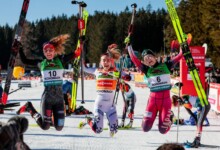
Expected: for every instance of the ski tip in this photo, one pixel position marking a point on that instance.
(81, 125)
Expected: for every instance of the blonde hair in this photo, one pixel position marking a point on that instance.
(58, 43)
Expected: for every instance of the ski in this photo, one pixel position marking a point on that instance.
(130, 30)
(181, 36)
(14, 52)
(8, 105)
(189, 145)
(82, 24)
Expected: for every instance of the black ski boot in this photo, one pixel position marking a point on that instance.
(28, 107)
(196, 142)
(171, 117)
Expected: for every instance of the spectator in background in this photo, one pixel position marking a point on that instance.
(11, 134)
(171, 146)
(1, 89)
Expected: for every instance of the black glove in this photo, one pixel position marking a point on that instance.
(83, 38)
(180, 100)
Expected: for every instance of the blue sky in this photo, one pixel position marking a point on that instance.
(40, 9)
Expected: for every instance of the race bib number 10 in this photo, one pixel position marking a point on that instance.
(52, 77)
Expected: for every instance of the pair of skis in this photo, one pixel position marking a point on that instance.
(82, 24)
(186, 52)
(13, 55)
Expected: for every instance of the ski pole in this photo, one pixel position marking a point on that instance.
(178, 113)
(15, 90)
(130, 30)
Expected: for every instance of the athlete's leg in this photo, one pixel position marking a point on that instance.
(150, 115)
(113, 119)
(164, 104)
(59, 116)
(201, 117)
(45, 119)
(97, 123)
(125, 108)
(202, 113)
(131, 108)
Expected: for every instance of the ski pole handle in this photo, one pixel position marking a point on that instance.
(130, 29)
(82, 4)
(74, 2)
(134, 5)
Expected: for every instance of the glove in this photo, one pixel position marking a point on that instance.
(126, 77)
(124, 87)
(127, 40)
(116, 74)
(18, 72)
(82, 38)
(131, 115)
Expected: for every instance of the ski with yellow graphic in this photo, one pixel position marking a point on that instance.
(181, 36)
(82, 23)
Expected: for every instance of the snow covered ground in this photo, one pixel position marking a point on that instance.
(134, 139)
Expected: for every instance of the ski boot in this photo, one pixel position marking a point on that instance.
(68, 112)
(196, 142)
(129, 125)
(172, 117)
(112, 133)
(28, 107)
(121, 125)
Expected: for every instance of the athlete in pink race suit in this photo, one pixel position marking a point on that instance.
(158, 77)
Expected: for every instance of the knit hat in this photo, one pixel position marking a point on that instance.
(147, 52)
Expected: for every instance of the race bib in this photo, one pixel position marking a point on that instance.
(159, 83)
(52, 77)
(106, 84)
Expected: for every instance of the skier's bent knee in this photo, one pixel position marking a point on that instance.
(59, 128)
(146, 128)
(97, 131)
(46, 127)
(163, 130)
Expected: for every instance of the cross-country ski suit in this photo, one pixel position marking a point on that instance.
(158, 77)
